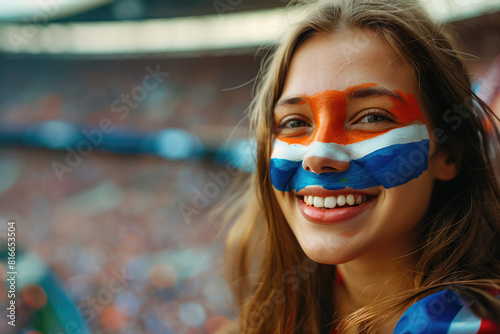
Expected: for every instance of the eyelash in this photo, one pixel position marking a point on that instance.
(376, 112)
(289, 119)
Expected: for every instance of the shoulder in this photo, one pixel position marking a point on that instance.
(443, 312)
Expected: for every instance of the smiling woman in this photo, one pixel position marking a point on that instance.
(368, 212)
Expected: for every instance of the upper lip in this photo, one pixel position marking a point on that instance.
(322, 192)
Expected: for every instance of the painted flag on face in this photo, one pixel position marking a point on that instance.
(390, 157)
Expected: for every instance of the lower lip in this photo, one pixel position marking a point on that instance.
(333, 216)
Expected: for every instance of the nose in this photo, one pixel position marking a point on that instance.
(324, 158)
(320, 165)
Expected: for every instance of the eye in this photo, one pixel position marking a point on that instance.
(293, 123)
(293, 126)
(373, 119)
(375, 116)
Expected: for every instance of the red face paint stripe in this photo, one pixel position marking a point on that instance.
(407, 111)
(329, 112)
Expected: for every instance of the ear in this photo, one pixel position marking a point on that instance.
(446, 165)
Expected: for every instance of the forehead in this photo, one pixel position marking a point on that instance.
(344, 59)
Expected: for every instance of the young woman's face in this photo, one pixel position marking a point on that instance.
(353, 165)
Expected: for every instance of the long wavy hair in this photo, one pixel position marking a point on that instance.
(277, 289)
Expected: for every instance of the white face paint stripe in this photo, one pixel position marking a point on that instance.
(297, 152)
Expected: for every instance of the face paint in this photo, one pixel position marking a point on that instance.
(389, 157)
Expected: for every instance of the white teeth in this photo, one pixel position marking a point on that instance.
(309, 200)
(359, 199)
(332, 201)
(350, 199)
(319, 202)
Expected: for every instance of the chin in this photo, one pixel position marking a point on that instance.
(330, 249)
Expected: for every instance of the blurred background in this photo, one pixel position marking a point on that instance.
(121, 126)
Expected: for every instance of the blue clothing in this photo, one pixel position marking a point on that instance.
(443, 312)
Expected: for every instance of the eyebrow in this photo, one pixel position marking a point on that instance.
(291, 101)
(365, 92)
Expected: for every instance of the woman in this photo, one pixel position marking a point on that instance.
(374, 206)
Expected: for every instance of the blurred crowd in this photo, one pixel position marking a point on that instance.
(127, 238)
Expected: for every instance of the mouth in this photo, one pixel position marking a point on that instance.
(332, 202)
(331, 207)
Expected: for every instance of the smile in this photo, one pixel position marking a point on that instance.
(331, 202)
(322, 206)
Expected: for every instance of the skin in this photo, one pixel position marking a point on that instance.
(370, 250)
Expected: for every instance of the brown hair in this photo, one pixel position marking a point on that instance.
(276, 287)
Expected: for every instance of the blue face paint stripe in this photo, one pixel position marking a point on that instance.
(390, 167)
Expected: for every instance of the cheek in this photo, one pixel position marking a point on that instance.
(407, 204)
(282, 172)
(286, 202)
(398, 163)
